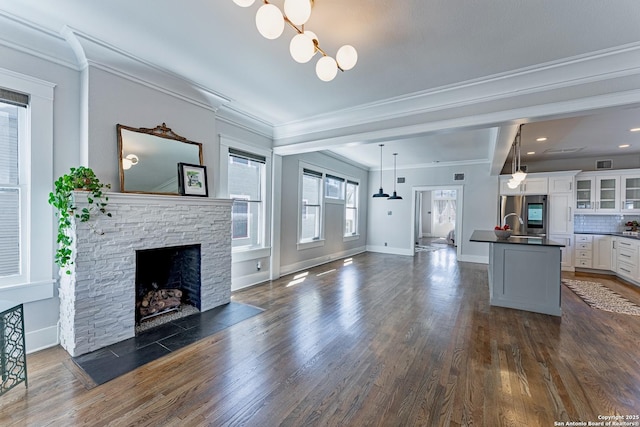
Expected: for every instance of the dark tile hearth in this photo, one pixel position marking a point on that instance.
(110, 362)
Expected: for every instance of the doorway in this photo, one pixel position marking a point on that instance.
(437, 216)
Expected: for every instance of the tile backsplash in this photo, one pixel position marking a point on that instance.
(602, 223)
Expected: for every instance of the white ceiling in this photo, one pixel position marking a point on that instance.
(406, 48)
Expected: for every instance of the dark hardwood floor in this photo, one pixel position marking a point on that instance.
(378, 340)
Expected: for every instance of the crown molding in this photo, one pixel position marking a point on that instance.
(42, 43)
(245, 121)
(580, 70)
(91, 51)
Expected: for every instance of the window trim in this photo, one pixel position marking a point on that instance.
(324, 201)
(310, 171)
(23, 200)
(39, 234)
(356, 235)
(229, 146)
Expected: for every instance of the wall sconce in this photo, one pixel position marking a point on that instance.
(129, 160)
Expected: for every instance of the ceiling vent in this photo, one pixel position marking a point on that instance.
(458, 177)
(604, 164)
(563, 150)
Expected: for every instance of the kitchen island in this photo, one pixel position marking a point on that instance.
(524, 272)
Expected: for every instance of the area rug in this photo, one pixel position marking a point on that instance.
(429, 248)
(599, 296)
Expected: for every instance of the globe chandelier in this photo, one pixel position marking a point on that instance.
(271, 21)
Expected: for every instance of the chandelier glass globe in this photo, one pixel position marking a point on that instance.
(244, 3)
(326, 68)
(270, 21)
(297, 11)
(347, 57)
(302, 48)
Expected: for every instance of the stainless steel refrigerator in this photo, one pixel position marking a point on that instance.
(525, 215)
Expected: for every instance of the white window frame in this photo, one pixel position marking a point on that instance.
(245, 253)
(37, 238)
(326, 200)
(316, 242)
(245, 199)
(23, 201)
(327, 177)
(356, 234)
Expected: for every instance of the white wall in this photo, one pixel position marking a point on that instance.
(87, 106)
(293, 259)
(390, 220)
(41, 315)
(244, 270)
(113, 99)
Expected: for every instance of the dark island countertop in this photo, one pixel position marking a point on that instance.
(488, 236)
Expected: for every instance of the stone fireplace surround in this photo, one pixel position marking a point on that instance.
(97, 299)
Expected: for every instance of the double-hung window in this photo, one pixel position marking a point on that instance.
(246, 180)
(351, 209)
(311, 207)
(13, 187)
(333, 187)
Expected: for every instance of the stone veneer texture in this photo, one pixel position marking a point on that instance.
(97, 301)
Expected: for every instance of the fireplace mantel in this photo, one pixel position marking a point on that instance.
(97, 299)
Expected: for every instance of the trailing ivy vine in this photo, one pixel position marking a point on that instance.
(80, 178)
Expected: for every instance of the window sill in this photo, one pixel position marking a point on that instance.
(27, 292)
(351, 238)
(309, 245)
(248, 254)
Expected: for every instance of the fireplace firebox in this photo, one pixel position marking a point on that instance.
(167, 279)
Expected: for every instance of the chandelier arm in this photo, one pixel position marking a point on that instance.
(301, 31)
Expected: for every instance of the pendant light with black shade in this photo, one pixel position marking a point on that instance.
(381, 192)
(395, 195)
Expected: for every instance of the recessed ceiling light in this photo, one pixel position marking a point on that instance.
(541, 139)
(531, 152)
(634, 130)
(624, 145)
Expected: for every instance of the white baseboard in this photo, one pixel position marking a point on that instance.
(242, 282)
(478, 259)
(41, 339)
(390, 250)
(313, 262)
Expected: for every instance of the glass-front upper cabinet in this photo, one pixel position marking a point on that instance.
(607, 194)
(597, 194)
(630, 190)
(585, 194)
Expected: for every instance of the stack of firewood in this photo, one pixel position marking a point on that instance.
(160, 300)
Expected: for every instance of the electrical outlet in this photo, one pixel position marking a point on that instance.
(258, 265)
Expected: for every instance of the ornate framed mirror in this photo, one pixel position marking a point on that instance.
(148, 159)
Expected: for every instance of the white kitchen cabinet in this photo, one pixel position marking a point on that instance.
(561, 200)
(627, 258)
(561, 184)
(607, 196)
(630, 194)
(585, 194)
(597, 194)
(533, 185)
(601, 250)
(566, 261)
(583, 250)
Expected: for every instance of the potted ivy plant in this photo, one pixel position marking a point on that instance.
(78, 179)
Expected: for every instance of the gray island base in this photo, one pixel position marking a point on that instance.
(524, 272)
